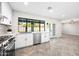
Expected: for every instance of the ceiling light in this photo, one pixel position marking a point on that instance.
(63, 15)
(25, 3)
(50, 9)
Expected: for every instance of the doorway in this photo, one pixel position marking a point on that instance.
(54, 29)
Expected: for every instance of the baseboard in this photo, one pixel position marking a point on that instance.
(70, 34)
(23, 47)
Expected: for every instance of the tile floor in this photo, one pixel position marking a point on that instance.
(68, 45)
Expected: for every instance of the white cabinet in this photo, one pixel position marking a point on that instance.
(26, 39)
(0, 7)
(45, 37)
(29, 39)
(20, 41)
(23, 40)
(6, 13)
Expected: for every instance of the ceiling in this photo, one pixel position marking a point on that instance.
(61, 10)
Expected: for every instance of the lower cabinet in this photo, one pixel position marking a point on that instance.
(20, 41)
(23, 40)
(45, 37)
(29, 40)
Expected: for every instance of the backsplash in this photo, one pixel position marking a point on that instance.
(3, 29)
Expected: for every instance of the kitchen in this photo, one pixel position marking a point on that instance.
(22, 29)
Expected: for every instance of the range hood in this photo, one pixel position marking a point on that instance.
(2, 17)
(4, 20)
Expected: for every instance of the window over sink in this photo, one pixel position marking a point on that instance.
(30, 25)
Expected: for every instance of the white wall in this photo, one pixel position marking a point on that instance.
(17, 14)
(58, 29)
(70, 28)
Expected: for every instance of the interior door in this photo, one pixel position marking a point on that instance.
(54, 29)
(49, 29)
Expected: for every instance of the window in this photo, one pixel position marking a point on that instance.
(22, 25)
(30, 25)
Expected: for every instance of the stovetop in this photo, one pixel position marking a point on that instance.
(4, 38)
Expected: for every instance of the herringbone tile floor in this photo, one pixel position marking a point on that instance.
(67, 45)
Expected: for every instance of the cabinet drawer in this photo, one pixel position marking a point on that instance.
(45, 37)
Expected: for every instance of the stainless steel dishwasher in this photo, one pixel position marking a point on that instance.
(36, 38)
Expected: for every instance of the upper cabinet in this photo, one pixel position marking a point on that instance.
(0, 7)
(5, 13)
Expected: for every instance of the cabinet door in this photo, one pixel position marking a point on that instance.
(7, 12)
(29, 39)
(0, 7)
(45, 37)
(20, 41)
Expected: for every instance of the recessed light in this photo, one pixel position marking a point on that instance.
(50, 9)
(25, 3)
(63, 15)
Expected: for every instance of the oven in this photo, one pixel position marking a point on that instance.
(1, 50)
(8, 48)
